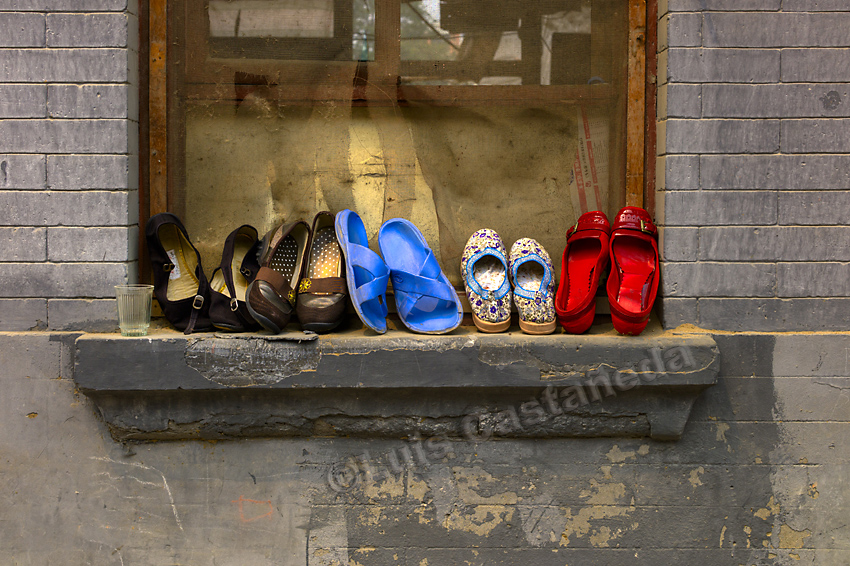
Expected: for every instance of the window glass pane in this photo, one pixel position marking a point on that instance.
(454, 114)
(292, 29)
(480, 43)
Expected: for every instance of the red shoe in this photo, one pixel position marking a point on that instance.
(633, 282)
(584, 260)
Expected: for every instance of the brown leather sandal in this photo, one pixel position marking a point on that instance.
(272, 295)
(322, 290)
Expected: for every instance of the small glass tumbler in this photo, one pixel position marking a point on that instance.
(134, 308)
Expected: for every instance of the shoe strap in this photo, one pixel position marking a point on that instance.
(473, 284)
(372, 290)
(324, 285)
(418, 285)
(199, 299)
(365, 258)
(414, 286)
(629, 220)
(544, 283)
(590, 221)
(278, 282)
(249, 266)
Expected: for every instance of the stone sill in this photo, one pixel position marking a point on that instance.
(355, 383)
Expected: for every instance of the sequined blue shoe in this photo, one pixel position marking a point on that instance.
(534, 286)
(484, 269)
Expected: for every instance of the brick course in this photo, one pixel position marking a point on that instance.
(22, 30)
(22, 171)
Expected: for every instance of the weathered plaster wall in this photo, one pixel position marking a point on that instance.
(757, 479)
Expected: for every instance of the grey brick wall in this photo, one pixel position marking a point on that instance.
(754, 163)
(68, 160)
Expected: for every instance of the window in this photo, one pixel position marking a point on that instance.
(455, 114)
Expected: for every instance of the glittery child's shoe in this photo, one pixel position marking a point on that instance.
(484, 270)
(534, 286)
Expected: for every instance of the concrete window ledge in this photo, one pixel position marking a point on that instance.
(214, 386)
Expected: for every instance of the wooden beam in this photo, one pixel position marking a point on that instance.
(651, 99)
(447, 95)
(387, 42)
(636, 103)
(158, 107)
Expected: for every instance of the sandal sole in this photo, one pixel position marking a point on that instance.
(490, 327)
(343, 237)
(538, 327)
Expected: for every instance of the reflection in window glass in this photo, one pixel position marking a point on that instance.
(364, 30)
(422, 38)
(282, 18)
(454, 114)
(520, 43)
(345, 30)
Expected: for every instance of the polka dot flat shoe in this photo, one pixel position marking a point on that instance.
(272, 296)
(322, 290)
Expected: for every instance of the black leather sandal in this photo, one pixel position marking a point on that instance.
(179, 282)
(230, 281)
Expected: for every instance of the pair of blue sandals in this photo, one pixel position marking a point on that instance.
(425, 300)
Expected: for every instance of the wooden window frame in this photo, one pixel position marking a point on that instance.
(160, 153)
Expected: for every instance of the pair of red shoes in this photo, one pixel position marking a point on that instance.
(632, 246)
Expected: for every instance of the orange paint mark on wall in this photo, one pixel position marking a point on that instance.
(252, 510)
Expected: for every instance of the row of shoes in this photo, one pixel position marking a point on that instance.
(630, 246)
(301, 271)
(308, 272)
(295, 269)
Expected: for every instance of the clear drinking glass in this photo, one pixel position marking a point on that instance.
(134, 308)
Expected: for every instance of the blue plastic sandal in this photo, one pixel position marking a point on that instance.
(425, 299)
(366, 273)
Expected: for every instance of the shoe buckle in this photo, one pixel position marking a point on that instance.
(234, 304)
(168, 267)
(198, 302)
(304, 285)
(290, 296)
(643, 227)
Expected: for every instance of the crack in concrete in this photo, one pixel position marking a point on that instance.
(834, 386)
